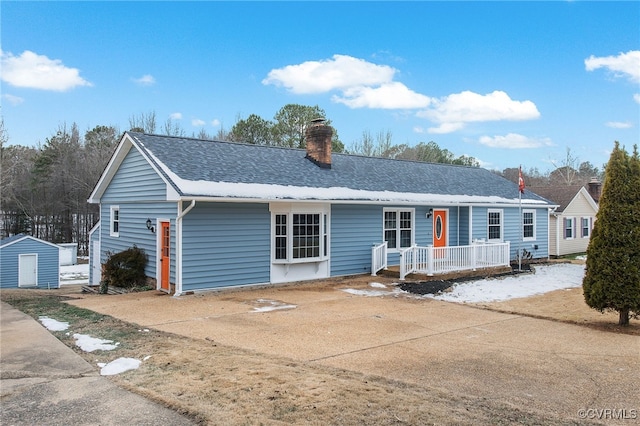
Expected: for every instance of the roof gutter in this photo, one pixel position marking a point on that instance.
(181, 215)
(485, 203)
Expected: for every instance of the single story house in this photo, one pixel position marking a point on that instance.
(27, 261)
(213, 214)
(570, 224)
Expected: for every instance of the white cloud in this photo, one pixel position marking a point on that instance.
(176, 116)
(361, 84)
(12, 99)
(418, 129)
(636, 97)
(145, 80)
(453, 112)
(35, 71)
(618, 125)
(514, 141)
(196, 122)
(625, 64)
(340, 72)
(215, 122)
(445, 128)
(393, 95)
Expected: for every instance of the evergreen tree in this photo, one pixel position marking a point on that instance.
(612, 278)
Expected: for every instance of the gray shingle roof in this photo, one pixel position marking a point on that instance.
(9, 240)
(214, 161)
(561, 195)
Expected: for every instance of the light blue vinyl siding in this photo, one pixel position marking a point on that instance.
(354, 230)
(48, 263)
(226, 244)
(464, 226)
(133, 230)
(512, 232)
(135, 180)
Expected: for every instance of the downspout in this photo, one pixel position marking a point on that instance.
(470, 224)
(458, 230)
(181, 214)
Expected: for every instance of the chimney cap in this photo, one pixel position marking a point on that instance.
(319, 120)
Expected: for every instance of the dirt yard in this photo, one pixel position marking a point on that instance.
(315, 354)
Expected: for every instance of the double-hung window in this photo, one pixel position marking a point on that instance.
(569, 223)
(528, 225)
(494, 225)
(586, 227)
(300, 236)
(114, 221)
(398, 228)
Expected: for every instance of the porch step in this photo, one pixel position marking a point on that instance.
(394, 272)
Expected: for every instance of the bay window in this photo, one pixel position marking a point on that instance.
(299, 236)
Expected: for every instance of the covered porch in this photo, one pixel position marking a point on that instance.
(432, 260)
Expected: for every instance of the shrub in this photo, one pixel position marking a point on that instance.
(126, 268)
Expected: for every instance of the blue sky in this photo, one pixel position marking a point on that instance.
(508, 83)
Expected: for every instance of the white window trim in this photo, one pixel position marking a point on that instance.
(534, 225)
(501, 211)
(289, 209)
(112, 210)
(567, 220)
(589, 226)
(413, 226)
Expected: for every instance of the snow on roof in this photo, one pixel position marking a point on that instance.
(198, 168)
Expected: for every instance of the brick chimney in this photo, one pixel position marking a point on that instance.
(595, 189)
(318, 141)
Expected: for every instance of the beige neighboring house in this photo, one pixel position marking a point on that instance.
(571, 223)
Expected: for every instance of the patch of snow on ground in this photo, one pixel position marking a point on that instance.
(53, 325)
(118, 366)
(377, 285)
(90, 344)
(372, 293)
(74, 274)
(545, 279)
(271, 305)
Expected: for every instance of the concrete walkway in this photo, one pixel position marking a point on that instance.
(43, 381)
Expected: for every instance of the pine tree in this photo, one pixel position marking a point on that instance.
(612, 278)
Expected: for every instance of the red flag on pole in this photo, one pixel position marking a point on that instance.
(520, 181)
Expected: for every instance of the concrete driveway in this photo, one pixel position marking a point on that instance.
(44, 382)
(541, 364)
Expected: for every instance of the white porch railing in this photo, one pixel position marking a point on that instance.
(378, 258)
(439, 260)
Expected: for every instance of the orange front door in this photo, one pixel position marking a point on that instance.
(439, 231)
(165, 260)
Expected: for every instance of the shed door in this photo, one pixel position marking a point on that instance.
(28, 270)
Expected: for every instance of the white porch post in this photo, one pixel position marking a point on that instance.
(474, 255)
(430, 259)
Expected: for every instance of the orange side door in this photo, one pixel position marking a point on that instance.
(164, 256)
(439, 231)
